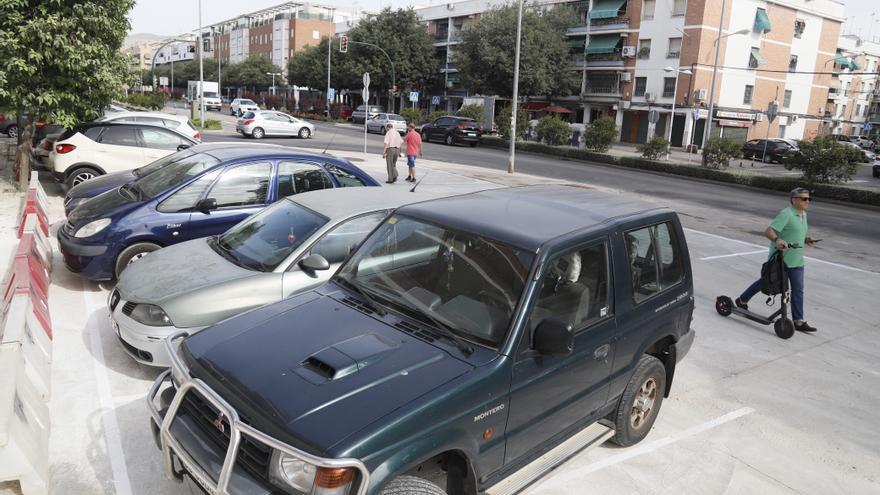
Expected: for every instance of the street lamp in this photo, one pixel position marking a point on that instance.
(515, 101)
(273, 74)
(674, 96)
(715, 74)
(393, 77)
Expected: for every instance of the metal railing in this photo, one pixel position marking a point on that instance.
(603, 84)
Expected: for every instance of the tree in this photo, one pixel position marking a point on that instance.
(825, 160)
(522, 121)
(250, 73)
(471, 111)
(486, 55)
(719, 151)
(63, 57)
(553, 130)
(653, 149)
(600, 134)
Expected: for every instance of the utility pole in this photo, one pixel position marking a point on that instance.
(329, 49)
(513, 131)
(201, 48)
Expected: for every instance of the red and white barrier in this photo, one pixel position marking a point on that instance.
(24, 323)
(24, 426)
(31, 232)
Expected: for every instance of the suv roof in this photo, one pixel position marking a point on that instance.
(88, 125)
(529, 216)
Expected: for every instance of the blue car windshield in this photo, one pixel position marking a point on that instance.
(174, 174)
(261, 242)
(161, 162)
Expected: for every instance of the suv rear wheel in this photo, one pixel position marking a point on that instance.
(450, 140)
(12, 131)
(640, 402)
(81, 175)
(411, 485)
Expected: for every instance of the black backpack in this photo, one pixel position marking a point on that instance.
(773, 275)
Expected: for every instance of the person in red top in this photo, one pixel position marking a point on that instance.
(413, 142)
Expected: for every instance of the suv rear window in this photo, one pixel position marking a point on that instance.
(654, 259)
(248, 115)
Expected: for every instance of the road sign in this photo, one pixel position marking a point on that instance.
(331, 94)
(413, 96)
(435, 100)
(163, 81)
(868, 126)
(772, 110)
(696, 114)
(365, 94)
(653, 116)
(366, 79)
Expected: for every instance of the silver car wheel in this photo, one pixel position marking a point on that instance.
(305, 133)
(258, 133)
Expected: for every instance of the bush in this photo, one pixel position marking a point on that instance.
(210, 124)
(719, 151)
(436, 114)
(554, 131)
(653, 149)
(825, 160)
(503, 121)
(411, 115)
(153, 101)
(600, 134)
(471, 111)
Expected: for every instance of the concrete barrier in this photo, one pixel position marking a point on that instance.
(21, 325)
(32, 227)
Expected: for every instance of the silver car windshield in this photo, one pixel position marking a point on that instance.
(264, 240)
(175, 173)
(460, 283)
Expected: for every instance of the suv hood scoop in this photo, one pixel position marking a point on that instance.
(343, 359)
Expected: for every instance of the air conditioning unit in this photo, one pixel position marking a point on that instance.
(626, 76)
(650, 97)
(792, 119)
(450, 6)
(759, 117)
(700, 94)
(629, 51)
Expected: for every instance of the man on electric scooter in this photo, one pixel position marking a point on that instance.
(789, 228)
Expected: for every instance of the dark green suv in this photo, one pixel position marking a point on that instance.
(464, 339)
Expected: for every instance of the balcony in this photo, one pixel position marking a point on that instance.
(441, 36)
(618, 23)
(605, 84)
(605, 60)
(456, 36)
(577, 60)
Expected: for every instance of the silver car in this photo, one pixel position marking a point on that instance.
(360, 113)
(272, 123)
(380, 121)
(292, 246)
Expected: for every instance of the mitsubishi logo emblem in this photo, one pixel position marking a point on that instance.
(218, 423)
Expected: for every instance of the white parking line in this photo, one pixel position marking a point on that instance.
(578, 474)
(838, 265)
(108, 408)
(732, 255)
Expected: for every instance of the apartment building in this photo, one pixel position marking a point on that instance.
(854, 94)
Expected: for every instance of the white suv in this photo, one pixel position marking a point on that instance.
(240, 106)
(178, 122)
(99, 148)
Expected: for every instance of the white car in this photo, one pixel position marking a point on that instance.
(178, 122)
(271, 123)
(240, 106)
(99, 148)
(379, 123)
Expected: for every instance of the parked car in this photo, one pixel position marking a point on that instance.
(239, 106)
(341, 112)
(875, 170)
(464, 339)
(868, 156)
(453, 130)
(292, 246)
(44, 142)
(776, 149)
(93, 187)
(358, 116)
(177, 122)
(378, 123)
(862, 141)
(270, 123)
(9, 124)
(199, 196)
(98, 148)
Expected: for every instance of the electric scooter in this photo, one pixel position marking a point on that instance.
(782, 325)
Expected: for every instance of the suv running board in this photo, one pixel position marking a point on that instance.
(589, 437)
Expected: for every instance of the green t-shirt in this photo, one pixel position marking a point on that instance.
(791, 228)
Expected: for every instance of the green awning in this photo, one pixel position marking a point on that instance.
(853, 65)
(453, 77)
(841, 61)
(758, 58)
(606, 9)
(577, 43)
(603, 44)
(762, 21)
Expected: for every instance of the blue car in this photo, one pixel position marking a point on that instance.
(203, 194)
(93, 187)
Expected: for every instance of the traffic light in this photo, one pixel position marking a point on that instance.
(343, 44)
(394, 90)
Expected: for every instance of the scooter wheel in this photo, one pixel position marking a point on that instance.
(724, 305)
(784, 328)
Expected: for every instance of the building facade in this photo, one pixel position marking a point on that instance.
(854, 95)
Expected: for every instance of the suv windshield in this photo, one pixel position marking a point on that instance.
(457, 282)
(264, 240)
(175, 173)
(161, 162)
(246, 102)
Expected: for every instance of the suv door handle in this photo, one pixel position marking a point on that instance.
(601, 352)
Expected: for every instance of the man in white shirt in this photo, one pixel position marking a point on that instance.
(391, 152)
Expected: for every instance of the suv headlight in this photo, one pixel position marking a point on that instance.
(150, 314)
(92, 228)
(303, 478)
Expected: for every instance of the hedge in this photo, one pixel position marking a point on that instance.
(828, 191)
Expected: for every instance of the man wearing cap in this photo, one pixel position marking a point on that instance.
(788, 233)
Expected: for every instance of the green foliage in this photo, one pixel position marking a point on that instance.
(249, 73)
(486, 55)
(436, 114)
(411, 115)
(719, 151)
(503, 121)
(152, 101)
(600, 134)
(825, 160)
(654, 149)
(471, 111)
(210, 124)
(553, 130)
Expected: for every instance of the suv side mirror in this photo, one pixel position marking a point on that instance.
(554, 337)
(206, 205)
(314, 263)
(182, 147)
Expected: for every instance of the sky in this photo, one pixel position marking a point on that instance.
(171, 17)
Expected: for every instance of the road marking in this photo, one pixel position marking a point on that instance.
(838, 265)
(732, 255)
(121, 482)
(577, 475)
